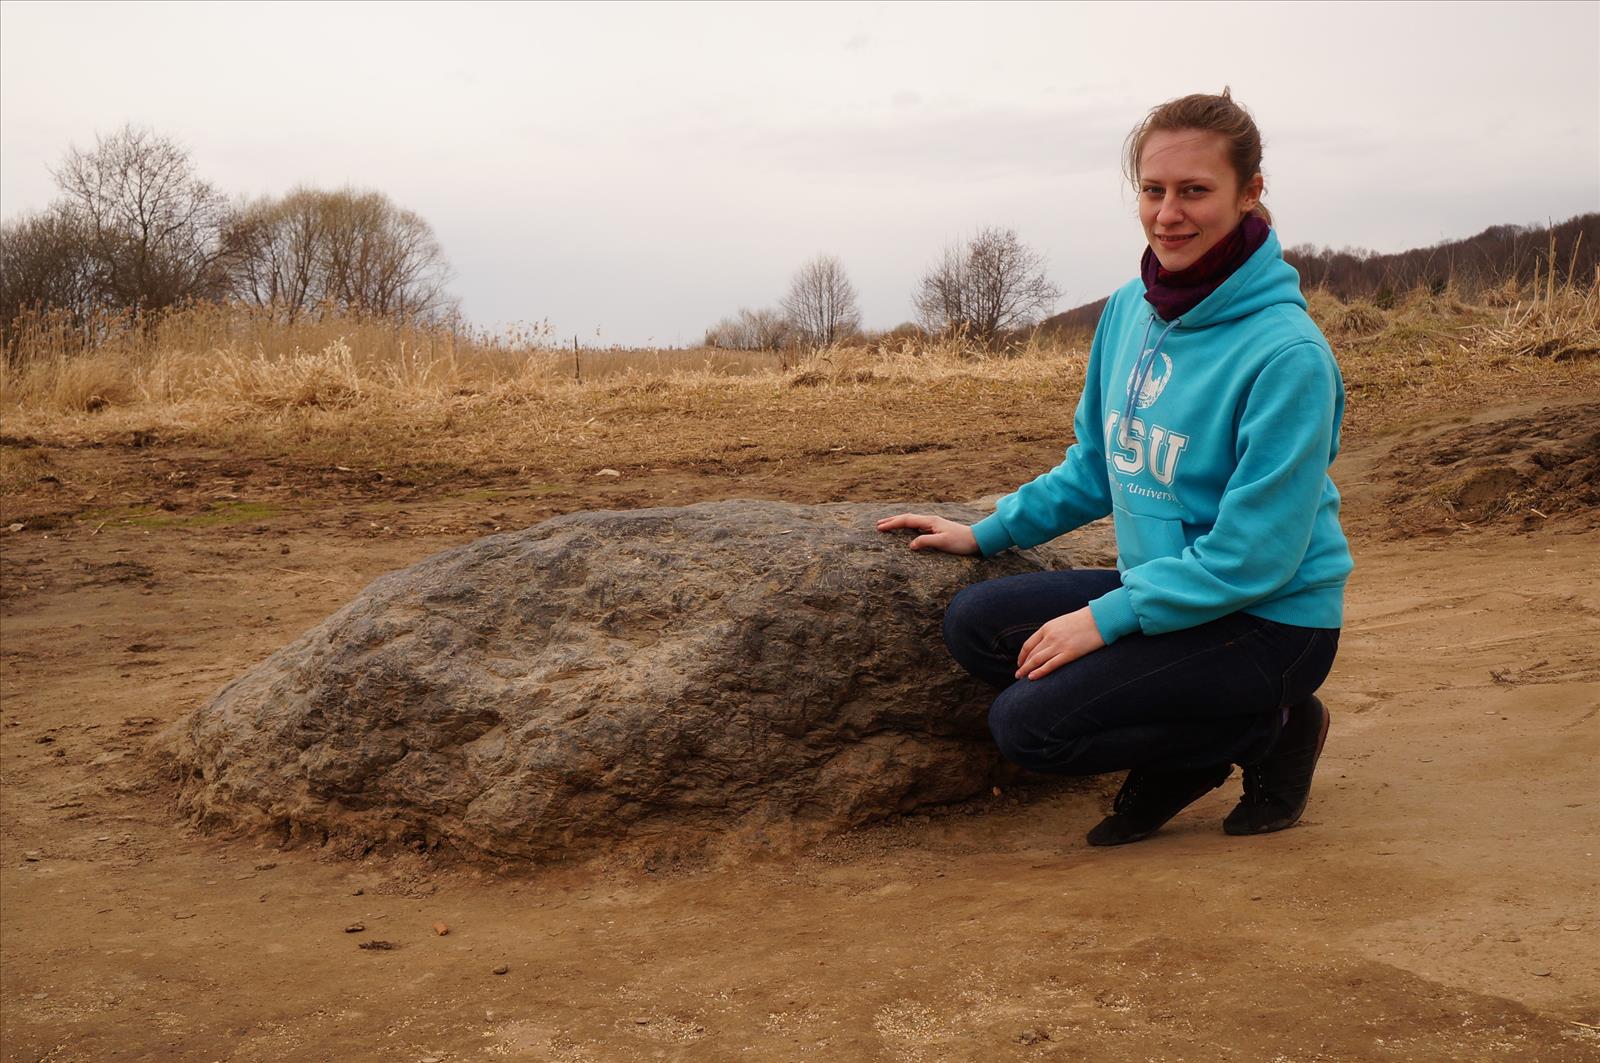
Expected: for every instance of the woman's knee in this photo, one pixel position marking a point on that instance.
(965, 623)
(1023, 740)
(1302, 679)
(1010, 736)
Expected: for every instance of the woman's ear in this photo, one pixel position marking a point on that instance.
(1251, 194)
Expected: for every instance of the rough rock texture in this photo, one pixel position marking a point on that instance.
(749, 673)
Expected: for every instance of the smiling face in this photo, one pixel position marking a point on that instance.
(1189, 195)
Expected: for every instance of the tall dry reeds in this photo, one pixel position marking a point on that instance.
(210, 350)
(335, 386)
(260, 359)
(257, 359)
(1559, 321)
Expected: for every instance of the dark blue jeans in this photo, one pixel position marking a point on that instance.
(1207, 695)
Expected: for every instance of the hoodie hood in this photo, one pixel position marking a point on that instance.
(1264, 280)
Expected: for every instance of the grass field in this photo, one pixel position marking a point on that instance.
(430, 403)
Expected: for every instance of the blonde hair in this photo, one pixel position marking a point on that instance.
(1207, 114)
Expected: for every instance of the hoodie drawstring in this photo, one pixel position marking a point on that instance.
(1141, 372)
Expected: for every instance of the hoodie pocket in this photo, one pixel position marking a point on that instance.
(1142, 538)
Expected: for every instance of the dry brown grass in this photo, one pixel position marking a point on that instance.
(379, 394)
(1562, 324)
(380, 397)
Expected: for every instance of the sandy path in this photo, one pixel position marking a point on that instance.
(1438, 902)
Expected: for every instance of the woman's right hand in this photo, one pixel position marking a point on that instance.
(937, 533)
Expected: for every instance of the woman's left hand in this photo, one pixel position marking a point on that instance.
(1059, 642)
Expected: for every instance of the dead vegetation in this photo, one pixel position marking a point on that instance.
(382, 394)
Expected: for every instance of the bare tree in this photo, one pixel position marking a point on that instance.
(771, 329)
(991, 285)
(272, 252)
(349, 250)
(44, 266)
(730, 334)
(751, 330)
(941, 298)
(821, 303)
(382, 258)
(149, 224)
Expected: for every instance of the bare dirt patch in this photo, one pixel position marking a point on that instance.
(1512, 470)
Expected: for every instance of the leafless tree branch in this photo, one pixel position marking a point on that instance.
(821, 303)
(991, 285)
(150, 225)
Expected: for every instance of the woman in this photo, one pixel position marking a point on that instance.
(1209, 417)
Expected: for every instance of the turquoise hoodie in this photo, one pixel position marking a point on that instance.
(1211, 450)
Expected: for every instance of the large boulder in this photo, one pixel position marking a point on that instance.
(749, 673)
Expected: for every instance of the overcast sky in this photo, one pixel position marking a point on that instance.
(634, 172)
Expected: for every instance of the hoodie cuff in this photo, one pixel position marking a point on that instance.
(1113, 615)
(991, 535)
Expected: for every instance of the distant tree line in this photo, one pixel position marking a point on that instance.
(985, 289)
(136, 228)
(1500, 255)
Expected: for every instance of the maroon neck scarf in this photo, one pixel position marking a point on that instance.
(1174, 294)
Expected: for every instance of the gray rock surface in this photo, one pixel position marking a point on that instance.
(745, 674)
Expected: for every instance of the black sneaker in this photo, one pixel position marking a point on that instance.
(1150, 798)
(1276, 789)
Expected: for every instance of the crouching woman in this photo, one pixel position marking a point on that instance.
(1208, 421)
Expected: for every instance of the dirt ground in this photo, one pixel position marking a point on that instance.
(1438, 901)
